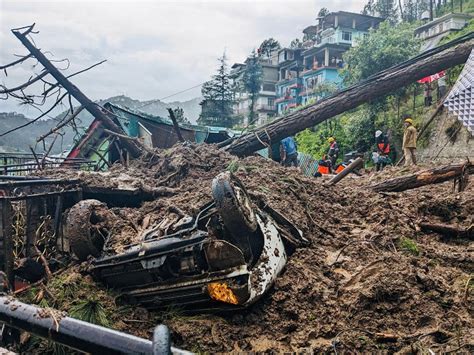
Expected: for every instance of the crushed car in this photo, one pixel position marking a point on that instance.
(225, 257)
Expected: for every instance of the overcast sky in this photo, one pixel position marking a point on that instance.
(153, 48)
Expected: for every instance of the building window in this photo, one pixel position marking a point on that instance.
(268, 87)
(347, 36)
(271, 102)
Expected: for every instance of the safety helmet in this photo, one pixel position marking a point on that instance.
(409, 120)
(378, 133)
(331, 139)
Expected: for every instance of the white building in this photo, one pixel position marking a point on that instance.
(432, 32)
(265, 107)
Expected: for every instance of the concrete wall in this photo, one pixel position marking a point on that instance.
(463, 146)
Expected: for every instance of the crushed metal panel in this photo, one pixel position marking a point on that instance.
(146, 135)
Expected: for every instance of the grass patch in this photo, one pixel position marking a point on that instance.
(233, 166)
(410, 246)
(90, 311)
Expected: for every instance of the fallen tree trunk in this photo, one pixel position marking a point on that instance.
(449, 55)
(425, 177)
(448, 230)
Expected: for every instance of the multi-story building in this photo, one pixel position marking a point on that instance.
(265, 103)
(303, 71)
(433, 31)
(289, 83)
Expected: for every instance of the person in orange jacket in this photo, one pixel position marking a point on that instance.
(383, 149)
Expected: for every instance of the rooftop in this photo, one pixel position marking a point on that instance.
(441, 19)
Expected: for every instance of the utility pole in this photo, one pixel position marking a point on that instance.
(431, 10)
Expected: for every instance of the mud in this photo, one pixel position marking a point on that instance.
(369, 281)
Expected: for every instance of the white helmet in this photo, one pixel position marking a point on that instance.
(378, 133)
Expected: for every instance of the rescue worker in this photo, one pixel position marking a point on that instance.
(383, 149)
(427, 94)
(441, 87)
(289, 152)
(409, 142)
(333, 151)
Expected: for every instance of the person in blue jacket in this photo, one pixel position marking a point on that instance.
(289, 152)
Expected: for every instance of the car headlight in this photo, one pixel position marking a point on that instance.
(221, 292)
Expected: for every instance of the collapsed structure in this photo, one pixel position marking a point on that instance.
(362, 270)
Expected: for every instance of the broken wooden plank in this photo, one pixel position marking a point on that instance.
(424, 177)
(381, 84)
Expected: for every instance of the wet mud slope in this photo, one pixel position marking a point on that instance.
(370, 280)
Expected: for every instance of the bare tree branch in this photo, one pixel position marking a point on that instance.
(25, 85)
(74, 74)
(21, 60)
(61, 125)
(36, 119)
(49, 150)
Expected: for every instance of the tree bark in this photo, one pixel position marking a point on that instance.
(448, 230)
(376, 86)
(133, 147)
(425, 177)
(175, 124)
(346, 171)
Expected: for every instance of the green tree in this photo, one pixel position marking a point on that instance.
(179, 114)
(252, 81)
(386, 9)
(216, 108)
(323, 12)
(296, 43)
(387, 46)
(413, 9)
(268, 47)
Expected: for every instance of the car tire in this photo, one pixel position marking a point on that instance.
(233, 204)
(79, 223)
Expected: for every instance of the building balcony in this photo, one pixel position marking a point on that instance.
(284, 98)
(263, 107)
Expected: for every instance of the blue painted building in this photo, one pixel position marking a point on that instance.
(307, 74)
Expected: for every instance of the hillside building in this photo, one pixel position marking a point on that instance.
(433, 31)
(265, 107)
(306, 74)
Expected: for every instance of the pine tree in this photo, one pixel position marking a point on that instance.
(323, 12)
(252, 81)
(268, 47)
(386, 9)
(179, 114)
(216, 108)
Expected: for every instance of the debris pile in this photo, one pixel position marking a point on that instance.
(370, 280)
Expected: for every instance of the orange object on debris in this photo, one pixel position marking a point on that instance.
(221, 292)
(323, 169)
(339, 168)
